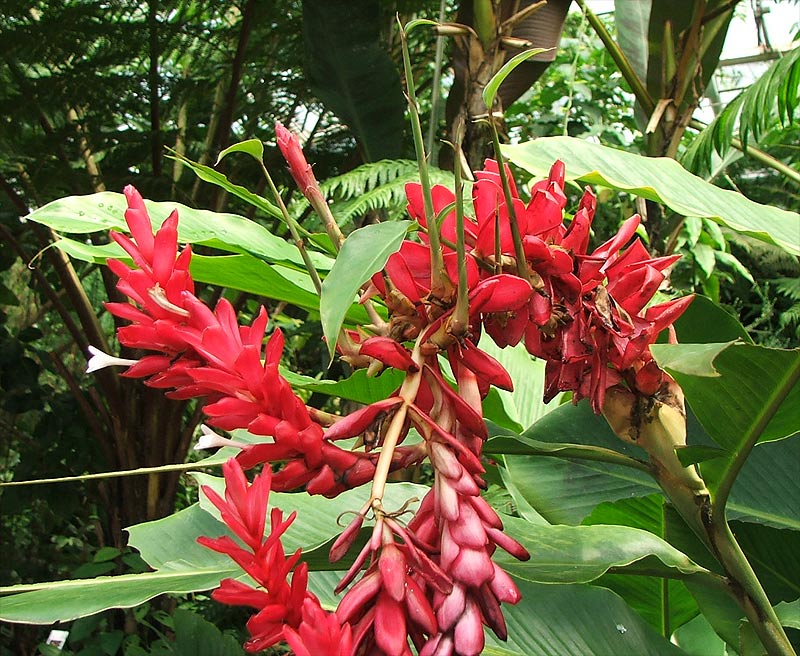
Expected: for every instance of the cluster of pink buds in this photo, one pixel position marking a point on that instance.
(525, 276)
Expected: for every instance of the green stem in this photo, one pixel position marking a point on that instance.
(293, 229)
(748, 590)
(140, 471)
(408, 392)
(460, 320)
(519, 253)
(437, 260)
(624, 66)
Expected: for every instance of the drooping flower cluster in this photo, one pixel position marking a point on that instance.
(585, 311)
(431, 581)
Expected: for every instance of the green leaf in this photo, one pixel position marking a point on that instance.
(317, 517)
(698, 638)
(106, 210)
(63, 601)
(350, 70)
(660, 179)
(490, 90)
(359, 387)
(664, 602)
(252, 147)
(691, 455)
(690, 359)
(775, 557)
(766, 489)
(364, 253)
(705, 322)
(704, 257)
(555, 620)
(524, 405)
(183, 565)
(207, 174)
(566, 489)
(195, 636)
(756, 391)
(767, 103)
(632, 18)
(181, 551)
(580, 554)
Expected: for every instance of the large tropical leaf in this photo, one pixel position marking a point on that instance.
(753, 394)
(580, 554)
(565, 488)
(767, 103)
(664, 602)
(659, 179)
(554, 620)
(106, 210)
(353, 74)
(181, 564)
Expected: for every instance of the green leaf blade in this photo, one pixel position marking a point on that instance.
(364, 253)
(660, 179)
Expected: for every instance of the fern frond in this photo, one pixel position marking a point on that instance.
(767, 103)
(789, 287)
(790, 317)
(373, 186)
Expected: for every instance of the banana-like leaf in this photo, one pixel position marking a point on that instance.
(554, 620)
(664, 602)
(353, 74)
(756, 393)
(659, 179)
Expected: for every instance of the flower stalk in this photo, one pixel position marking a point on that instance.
(293, 229)
(439, 287)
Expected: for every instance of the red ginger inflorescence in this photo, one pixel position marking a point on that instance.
(431, 580)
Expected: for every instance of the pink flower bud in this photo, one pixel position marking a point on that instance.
(468, 634)
(419, 610)
(357, 599)
(503, 586)
(293, 154)
(450, 609)
(390, 626)
(393, 568)
(346, 539)
(472, 566)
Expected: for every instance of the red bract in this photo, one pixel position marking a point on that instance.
(286, 610)
(586, 316)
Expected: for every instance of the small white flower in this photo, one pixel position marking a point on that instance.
(211, 440)
(101, 360)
